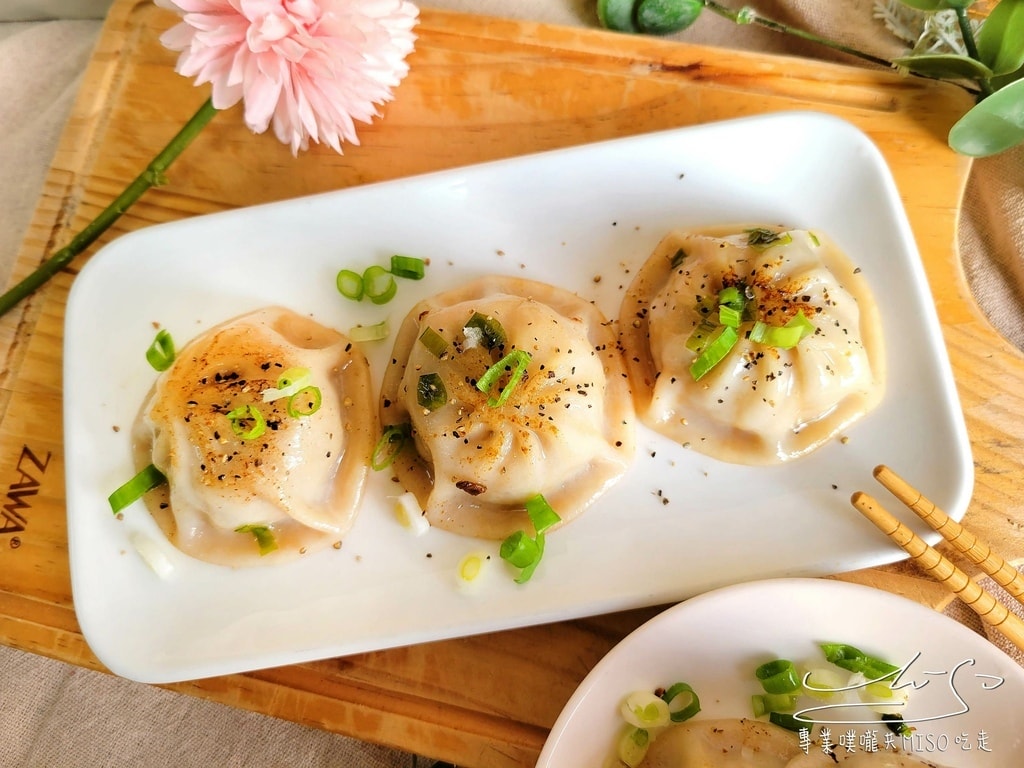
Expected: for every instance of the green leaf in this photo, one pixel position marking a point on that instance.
(993, 125)
(948, 66)
(616, 15)
(1001, 37)
(1001, 81)
(663, 17)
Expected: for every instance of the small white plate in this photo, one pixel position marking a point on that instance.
(584, 218)
(716, 641)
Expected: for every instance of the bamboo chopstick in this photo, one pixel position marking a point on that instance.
(965, 542)
(991, 611)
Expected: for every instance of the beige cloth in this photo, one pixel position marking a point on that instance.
(52, 714)
(960, 611)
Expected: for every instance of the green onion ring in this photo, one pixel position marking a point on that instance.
(408, 267)
(729, 316)
(288, 383)
(245, 413)
(350, 284)
(265, 538)
(391, 443)
(315, 400)
(161, 353)
(778, 676)
(144, 482)
(686, 712)
(523, 552)
(434, 342)
(732, 296)
(854, 660)
(430, 392)
(379, 285)
(492, 333)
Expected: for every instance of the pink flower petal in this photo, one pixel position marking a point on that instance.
(309, 68)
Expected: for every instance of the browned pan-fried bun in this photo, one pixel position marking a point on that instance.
(762, 404)
(565, 430)
(297, 481)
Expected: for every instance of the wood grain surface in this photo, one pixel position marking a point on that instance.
(479, 89)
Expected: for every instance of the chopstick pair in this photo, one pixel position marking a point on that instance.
(991, 611)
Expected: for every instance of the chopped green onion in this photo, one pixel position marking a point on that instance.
(897, 724)
(144, 482)
(814, 238)
(729, 316)
(523, 552)
(682, 701)
(310, 396)
(677, 258)
(788, 721)
(782, 336)
(491, 333)
(389, 446)
(293, 377)
(288, 383)
(375, 332)
(264, 537)
(152, 553)
(379, 285)
(763, 703)
(160, 354)
(732, 296)
(472, 569)
(698, 339)
(645, 710)
(763, 238)
(408, 267)
(410, 515)
(350, 284)
(706, 306)
(799, 320)
(541, 514)
(778, 676)
(774, 335)
(632, 746)
(823, 683)
(241, 416)
(718, 346)
(434, 342)
(515, 361)
(430, 391)
(853, 660)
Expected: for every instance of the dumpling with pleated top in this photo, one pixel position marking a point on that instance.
(754, 347)
(507, 389)
(263, 427)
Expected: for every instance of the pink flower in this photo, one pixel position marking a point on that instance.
(310, 67)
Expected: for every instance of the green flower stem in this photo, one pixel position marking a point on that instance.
(971, 46)
(152, 176)
(749, 16)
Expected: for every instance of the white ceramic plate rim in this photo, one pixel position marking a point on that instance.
(568, 217)
(715, 640)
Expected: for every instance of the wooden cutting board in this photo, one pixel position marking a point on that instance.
(479, 89)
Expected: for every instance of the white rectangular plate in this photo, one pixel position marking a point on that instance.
(678, 524)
